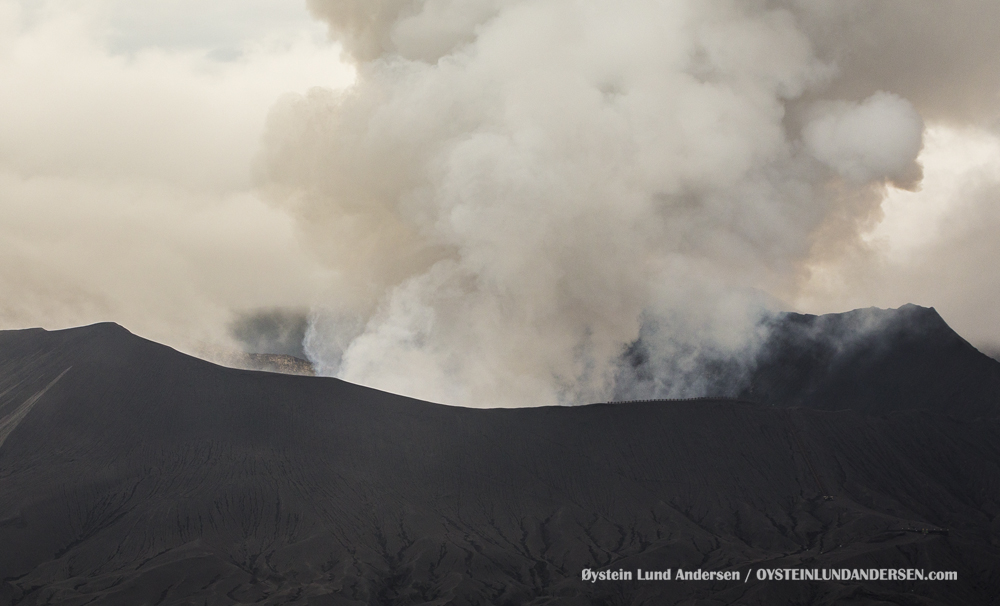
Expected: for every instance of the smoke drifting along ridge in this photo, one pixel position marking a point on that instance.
(512, 191)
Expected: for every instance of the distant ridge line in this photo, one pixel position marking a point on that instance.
(698, 399)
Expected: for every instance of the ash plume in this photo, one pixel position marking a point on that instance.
(511, 191)
(271, 331)
(511, 195)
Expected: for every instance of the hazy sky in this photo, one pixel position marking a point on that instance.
(483, 201)
(127, 134)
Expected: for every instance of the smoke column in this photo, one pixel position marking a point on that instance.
(512, 192)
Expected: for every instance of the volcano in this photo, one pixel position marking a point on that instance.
(133, 474)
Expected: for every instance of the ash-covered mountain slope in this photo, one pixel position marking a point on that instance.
(876, 361)
(870, 360)
(132, 474)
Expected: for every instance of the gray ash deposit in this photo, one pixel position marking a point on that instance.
(133, 474)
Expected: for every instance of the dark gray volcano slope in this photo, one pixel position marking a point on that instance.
(869, 360)
(144, 476)
(876, 361)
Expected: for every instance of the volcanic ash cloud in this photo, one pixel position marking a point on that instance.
(512, 190)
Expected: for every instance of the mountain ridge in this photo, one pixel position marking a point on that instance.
(145, 476)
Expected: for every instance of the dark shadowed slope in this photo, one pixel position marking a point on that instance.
(877, 361)
(144, 476)
(870, 360)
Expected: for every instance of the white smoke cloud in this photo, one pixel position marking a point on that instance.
(425, 30)
(876, 139)
(510, 188)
